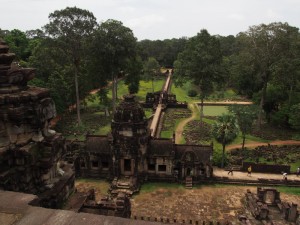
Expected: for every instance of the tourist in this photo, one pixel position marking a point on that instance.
(284, 176)
(230, 170)
(298, 172)
(249, 171)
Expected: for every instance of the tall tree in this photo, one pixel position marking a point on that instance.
(113, 45)
(70, 28)
(151, 70)
(200, 62)
(225, 130)
(245, 115)
(19, 44)
(264, 44)
(133, 74)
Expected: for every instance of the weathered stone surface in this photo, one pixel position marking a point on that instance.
(29, 150)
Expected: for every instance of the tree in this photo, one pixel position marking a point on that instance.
(111, 48)
(200, 62)
(225, 130)
(70, 28)
(264, 45)
(151, 70)
(133, 74)
(19, 44)
(294, 118)
(245, 115)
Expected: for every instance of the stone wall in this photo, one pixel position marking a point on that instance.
(266, 168)
(30, 152)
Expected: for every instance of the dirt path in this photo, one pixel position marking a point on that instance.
(256, 144)
(181, 125)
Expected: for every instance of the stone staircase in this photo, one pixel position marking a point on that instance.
(189, 182)
(125, 185)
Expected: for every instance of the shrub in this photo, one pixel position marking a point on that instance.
(192, 93)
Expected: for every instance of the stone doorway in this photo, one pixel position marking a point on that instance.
(127, 165)
(270, 197)
(188, 171)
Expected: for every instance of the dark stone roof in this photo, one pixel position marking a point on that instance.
(201, 152)
(98, 144)
(161, 147)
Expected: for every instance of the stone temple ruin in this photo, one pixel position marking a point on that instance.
(129, 152)
(31, 153)
(266, 205)
(29, 150)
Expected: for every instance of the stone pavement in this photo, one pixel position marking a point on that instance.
(14, 210)
(218, 172)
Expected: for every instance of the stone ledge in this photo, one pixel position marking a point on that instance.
(14, 209)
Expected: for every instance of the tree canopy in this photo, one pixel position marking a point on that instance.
(69, 29)
(200, 62)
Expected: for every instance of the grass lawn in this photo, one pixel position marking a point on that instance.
(214, 110)
(150, 187)
(181, 93)
(249, 139)
(289, 190)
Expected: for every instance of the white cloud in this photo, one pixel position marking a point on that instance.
(126, 9)
(271, 14)
(145, 21)
(235, 16)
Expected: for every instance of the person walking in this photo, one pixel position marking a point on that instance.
(298, 172)
(249, 171)
(284, 176)
(230, 171)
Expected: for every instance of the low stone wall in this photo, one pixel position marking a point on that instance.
(180, 221)
(266, 168)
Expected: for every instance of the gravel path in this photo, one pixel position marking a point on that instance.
(181, 125)
(256, 144)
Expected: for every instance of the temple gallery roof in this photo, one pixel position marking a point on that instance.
(202, 153)
(98, 144)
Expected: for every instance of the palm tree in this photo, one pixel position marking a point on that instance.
(225, 130)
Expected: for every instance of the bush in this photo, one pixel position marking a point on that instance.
(192, 93)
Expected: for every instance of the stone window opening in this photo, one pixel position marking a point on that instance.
(95, 164)
(151, 166)
(82, 164)
(162, 168)
(105, 165)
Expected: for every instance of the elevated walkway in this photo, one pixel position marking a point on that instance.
(267, 179)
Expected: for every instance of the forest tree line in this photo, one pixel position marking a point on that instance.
(74, 54)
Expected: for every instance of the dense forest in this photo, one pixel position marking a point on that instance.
(74, 54)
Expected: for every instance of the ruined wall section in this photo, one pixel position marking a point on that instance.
(29, 149)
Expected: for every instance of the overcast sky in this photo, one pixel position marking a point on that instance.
(159, 19)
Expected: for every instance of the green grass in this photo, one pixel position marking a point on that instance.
(166, 134)
(103, 130)
(295, 165)
(148, 113)
(249, 139)
(181, 93)
(209, 121)
(150, 187)
(289, 190)
(214, 110)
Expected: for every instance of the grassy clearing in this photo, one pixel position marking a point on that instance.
(289, 190)
(214, 110)
(181, 93)
(249, 139)
(151, 187)
(166, 134)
